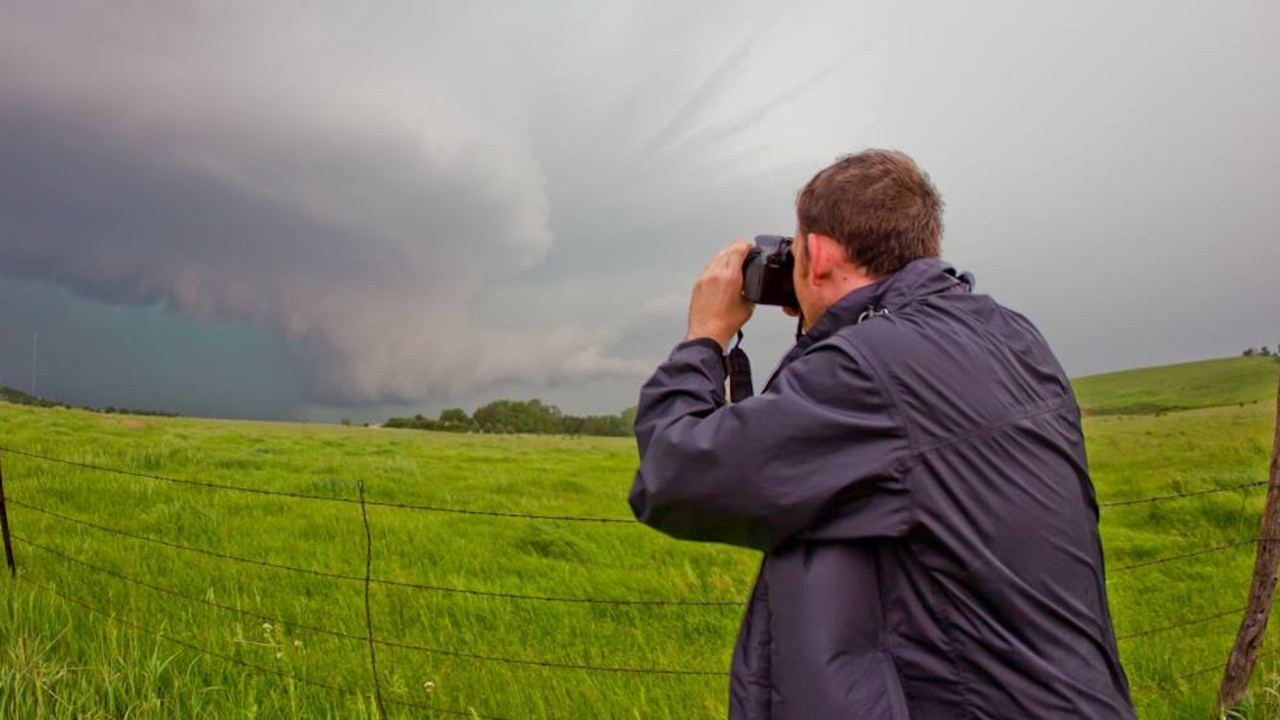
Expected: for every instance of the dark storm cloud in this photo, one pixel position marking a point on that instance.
(447, 201)
(238, 189)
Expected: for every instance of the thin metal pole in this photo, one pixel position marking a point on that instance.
(368, 617)
(4, 528)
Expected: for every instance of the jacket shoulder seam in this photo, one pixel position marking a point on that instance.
(985, 431)
(899, 467)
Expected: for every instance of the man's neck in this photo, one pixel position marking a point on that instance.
(839, 285)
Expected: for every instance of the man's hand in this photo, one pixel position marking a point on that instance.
(717, 309)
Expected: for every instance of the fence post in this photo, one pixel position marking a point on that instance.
(368, 616)
(4, 529)
(1254, 624)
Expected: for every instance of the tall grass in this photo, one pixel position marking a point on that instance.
(62, 660)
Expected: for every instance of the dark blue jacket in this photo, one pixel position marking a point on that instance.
(917, 481)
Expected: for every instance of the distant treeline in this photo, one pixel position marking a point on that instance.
(1264, 351)
(17, 397)
(514, 416)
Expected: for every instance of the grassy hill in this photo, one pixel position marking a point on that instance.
(1181, 430)
(1170, 388)
(17, 397)
(1178, 570)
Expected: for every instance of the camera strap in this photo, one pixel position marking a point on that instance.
(738, 367)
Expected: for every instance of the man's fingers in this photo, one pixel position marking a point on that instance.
(728, 259)
(716, 307)
(732, 255)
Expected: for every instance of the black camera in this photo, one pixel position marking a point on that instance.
(766, 272)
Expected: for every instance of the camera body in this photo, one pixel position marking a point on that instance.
(766, 272)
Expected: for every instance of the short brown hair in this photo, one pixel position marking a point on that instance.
(879, 205)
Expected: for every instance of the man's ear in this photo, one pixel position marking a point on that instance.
(824, 255)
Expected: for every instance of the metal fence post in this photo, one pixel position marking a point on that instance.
(1254, 624)
(4, 528)
(368, 616)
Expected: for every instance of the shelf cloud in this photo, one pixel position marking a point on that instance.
(416, 205)
(229, 176)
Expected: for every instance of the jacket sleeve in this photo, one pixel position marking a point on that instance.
(820, 450)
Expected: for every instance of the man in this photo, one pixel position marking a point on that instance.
(914, 472)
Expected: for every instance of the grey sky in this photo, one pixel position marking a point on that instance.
(309, 211)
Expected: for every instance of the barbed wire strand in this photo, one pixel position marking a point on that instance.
(1185, 623)
(285, 622)
(1118, 570)
(1161, 683)
(1178, 678)
(381, 581)
(1194, 673)
(337, 689)
(494, 513)
(320, 498)
(1185, 556)
(242, 663)
(368, 613)
(1179, 496)
(521, 596)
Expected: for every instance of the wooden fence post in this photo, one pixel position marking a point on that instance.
(4, 528)
(1254, 624)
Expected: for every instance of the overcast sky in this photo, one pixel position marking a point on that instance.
(313, 210)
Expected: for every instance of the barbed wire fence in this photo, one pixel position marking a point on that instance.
(366, 580)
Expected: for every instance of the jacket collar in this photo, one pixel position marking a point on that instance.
(919, 279)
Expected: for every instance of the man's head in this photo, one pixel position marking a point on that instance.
(863, 218)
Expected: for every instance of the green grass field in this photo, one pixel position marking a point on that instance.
(198, 636)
